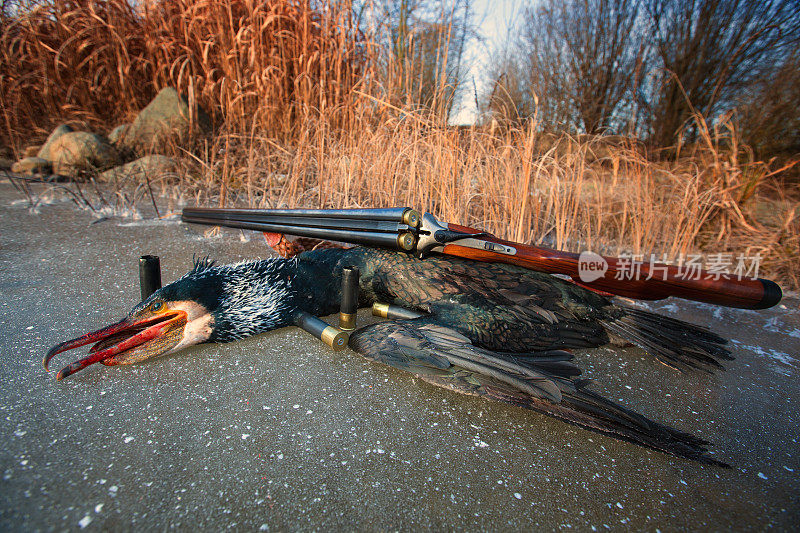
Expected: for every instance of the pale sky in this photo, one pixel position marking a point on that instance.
(493, 18)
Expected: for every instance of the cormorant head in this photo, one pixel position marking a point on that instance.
(209, 304)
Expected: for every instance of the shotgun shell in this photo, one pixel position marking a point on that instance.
(349, 306)
(333, 337)
(406, 241)
(411, 218)
(394, 311)
(149, 275)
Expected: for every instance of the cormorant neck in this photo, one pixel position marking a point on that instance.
(254, 297)
(260, 296)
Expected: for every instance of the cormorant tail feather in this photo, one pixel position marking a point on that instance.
(675, 343)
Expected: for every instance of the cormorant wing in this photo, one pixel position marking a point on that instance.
(444, 357)
(499, 307)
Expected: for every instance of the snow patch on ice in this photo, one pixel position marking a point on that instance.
(772, 326)
(166, 221)
(118, 211)
(772, 354)
(48, 197)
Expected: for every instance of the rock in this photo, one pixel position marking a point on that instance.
(81, 150)
(6, 164)
(44, 152)
(165, 118)
(118, 134)
(149, 166)
(31, 151)
(31, 165)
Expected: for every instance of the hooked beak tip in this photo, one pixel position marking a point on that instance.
(46, 360)
(70, 369)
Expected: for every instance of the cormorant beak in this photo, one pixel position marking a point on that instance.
(130, 340)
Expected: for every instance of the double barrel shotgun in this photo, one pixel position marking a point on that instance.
(407, 230)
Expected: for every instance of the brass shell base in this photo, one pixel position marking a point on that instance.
(335, 338)
(347, 321)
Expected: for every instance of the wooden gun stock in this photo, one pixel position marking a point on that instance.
(665, 281)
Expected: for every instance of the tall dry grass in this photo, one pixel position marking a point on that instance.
(269, 65)
(304, 120)
(573, 194)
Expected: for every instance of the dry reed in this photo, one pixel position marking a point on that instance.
(571, 194)
(269, 65)
(302, 120)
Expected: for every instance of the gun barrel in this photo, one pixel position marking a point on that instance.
(367, 238)
(378, 226)
(392, 214)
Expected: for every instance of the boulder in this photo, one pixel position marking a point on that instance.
(81, 150)
(118, 134)
(31, 151)
(149, 166)
(31, 165)
(164, 119)
(44, 151)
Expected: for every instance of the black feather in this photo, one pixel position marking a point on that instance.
(201, 263)
(447, 359)
(675, 343)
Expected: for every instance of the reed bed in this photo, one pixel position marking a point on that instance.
(569, 193)
(270, 65)
(303, 118)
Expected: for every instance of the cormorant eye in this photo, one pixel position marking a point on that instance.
(156, 306)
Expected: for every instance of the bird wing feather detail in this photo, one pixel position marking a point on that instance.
(446, 358)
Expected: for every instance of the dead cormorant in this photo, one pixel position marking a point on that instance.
(492, 330)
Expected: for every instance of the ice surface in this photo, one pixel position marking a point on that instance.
(278, 432)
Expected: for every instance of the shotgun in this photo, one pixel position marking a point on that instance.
(406, 230)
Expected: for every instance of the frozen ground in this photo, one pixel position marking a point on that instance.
(277, 432)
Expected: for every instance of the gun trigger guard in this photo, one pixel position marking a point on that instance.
(423, 252)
